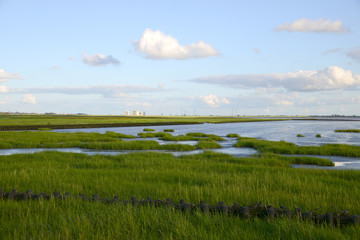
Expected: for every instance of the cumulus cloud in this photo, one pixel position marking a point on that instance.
(99, 60)
(5, 76)
(29, 98)
(213, 100)
(330, 78)
(109, 91)
(354, 54)
(319, 25)
(157, 45)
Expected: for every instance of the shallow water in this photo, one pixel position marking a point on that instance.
(272, 130)
(240, 152)
(275, 131)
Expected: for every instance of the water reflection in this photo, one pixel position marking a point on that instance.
(239, 152)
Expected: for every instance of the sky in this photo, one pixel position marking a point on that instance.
(180, 57)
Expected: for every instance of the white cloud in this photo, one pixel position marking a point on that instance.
(213, 100)
(330, 78)
(5, 76)
(99, 60)
(319, 25)
(4, 89)
(111, 91)
(354, 54)
(29, 98)
(157, 45)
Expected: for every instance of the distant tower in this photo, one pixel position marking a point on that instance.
(127, 113)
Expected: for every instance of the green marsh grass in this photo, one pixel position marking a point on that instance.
(349, 130)
(148, 130)
(207, 136)
(106, 141)
(154, 135)
(232, 135)
(207, 144)
(318, 135)
(84, 220)
(208, 176)
(300, 135)
(282, 147)
(169, 130)
(44, 129)
(73, 120)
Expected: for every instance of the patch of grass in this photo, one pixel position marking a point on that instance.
(44, 129)
(154, 135)
(318, 135)
(169, 130)
(349, 130)
(207, 144)
(300, 135)
(283, 147)
(207, 136)
(106, 141)
(148, 130)
(232, 135)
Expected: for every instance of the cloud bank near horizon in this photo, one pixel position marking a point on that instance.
(5, 76)
(330, 78)
(157, 45)
(107, 91)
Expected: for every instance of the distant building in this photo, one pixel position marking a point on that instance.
(136, 113)
(127, 113)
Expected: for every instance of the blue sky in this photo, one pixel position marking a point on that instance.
(177, 57)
